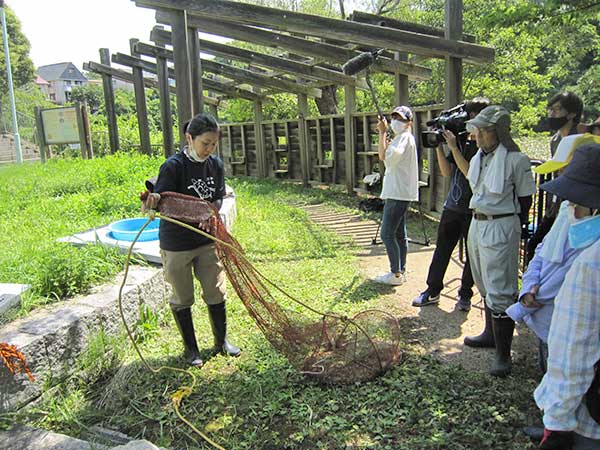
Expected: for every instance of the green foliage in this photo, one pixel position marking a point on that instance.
(21, 64)
(127, 124)
(281, 107)
(65, 271)
(541, 48)
(588, 88)
(91, 93)
(27, 97)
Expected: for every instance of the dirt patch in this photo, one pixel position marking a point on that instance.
(437, 330)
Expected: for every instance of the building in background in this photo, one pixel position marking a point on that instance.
(60, 79)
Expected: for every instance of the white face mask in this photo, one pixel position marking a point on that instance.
(398, 126)
(194, 156)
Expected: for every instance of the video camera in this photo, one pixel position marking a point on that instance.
(453, 119)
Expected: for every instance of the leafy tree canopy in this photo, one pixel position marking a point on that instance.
(21, 65)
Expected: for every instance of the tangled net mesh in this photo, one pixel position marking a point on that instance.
(14, 360)
(331, 348)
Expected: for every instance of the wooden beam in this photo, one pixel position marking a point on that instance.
(401, 90)
(141, 110)
(238, 74)
(109, 102)
(303, 140)
(195, 70)
(183, 76)
(40, 133)
(272, 62)
(259, 141)
(247, 76)
(332, 53)
(130, 61)
(350, 140)
(328, 28)
(126, 76)
(454, 69)
(166, 118)
(383, 21)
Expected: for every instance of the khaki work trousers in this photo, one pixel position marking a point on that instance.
(204, 263)
(494, 256)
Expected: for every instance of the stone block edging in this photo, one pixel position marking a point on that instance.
(52, 338)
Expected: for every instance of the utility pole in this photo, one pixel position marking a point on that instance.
(10, 85)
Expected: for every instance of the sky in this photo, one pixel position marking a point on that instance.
(74, 30)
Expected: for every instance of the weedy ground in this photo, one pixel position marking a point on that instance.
(256, 401)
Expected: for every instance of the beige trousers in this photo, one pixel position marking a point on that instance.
(494, 256)
(205, 265)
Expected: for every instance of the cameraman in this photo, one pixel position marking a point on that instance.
(456, 215)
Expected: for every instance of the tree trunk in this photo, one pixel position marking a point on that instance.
(327, 104)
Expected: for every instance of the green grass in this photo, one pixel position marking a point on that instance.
(258, 401)
(42, 203)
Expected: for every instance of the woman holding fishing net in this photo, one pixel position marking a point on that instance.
(197, 172)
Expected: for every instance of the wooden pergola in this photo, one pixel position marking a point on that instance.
(310, 52)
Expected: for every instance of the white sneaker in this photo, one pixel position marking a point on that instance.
(391, 279)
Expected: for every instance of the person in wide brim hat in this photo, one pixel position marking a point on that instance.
(580, 182)
(571, 417)
(555, 255)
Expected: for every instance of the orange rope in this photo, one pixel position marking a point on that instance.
(14, 360)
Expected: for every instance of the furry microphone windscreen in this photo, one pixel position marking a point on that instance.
(358, 63)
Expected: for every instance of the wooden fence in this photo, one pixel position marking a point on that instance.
(325, 151)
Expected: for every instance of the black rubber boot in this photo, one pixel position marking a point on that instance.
(218, 321)
(504, 327)
(183, 319)
(486, 338)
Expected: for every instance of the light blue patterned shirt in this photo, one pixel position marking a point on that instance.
(574, 348)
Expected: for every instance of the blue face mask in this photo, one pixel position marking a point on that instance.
(584, 232)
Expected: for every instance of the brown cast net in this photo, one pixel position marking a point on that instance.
(329, 347)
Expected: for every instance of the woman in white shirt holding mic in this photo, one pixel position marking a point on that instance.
(400, 187)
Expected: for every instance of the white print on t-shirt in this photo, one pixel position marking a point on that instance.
(204, 189)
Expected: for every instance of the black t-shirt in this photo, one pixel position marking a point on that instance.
(205, 180)
(460, 192)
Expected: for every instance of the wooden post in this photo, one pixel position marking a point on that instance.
(195, 71)
(39, 124)
(166, 120)
(213, 109)
(81, 129)
(302, 138)
(85, 117)
(140, 104)
(259, 140)
(349, 138)
(183, 85)
(453, 30)
(109, 101)
(400, 82)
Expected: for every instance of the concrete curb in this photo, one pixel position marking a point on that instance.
(52, 338)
